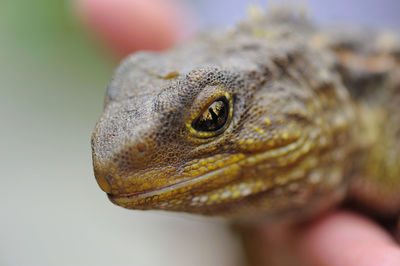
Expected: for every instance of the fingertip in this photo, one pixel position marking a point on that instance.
(345, 238)
(130, 25)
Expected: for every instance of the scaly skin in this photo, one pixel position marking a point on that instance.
(292, 127)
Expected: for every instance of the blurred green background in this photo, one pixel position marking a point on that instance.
(53, 78)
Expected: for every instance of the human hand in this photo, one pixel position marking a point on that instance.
(341, 238)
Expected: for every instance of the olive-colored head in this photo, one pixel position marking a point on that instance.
(218, 138)
(169, 147)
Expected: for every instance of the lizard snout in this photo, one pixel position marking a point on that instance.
(114, 173)
(103, 183)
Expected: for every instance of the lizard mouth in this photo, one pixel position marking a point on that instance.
(214, 179)
(173, 187)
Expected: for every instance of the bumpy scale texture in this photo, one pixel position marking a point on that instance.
(274, 118)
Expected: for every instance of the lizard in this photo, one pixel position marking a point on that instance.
(275, 119)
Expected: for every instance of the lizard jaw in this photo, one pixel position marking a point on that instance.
(213, 180)
(135, 198)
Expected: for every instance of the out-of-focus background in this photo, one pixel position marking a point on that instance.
(52, 81)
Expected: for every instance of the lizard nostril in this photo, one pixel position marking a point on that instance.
(103, 183)
(141, 147)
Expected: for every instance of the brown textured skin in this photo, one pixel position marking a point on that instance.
(313, 117)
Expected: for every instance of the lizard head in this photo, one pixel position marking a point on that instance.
(210, 141)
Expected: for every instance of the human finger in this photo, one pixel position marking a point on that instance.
(345, 238)
(129, 25)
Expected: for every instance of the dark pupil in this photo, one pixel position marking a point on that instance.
(214, 118)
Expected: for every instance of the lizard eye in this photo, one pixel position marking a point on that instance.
(214, 118)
